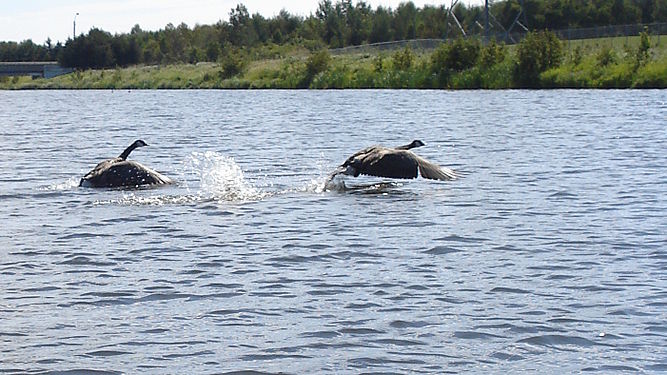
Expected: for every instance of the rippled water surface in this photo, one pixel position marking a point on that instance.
(548, 256)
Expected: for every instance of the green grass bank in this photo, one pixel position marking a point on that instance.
(539, 61)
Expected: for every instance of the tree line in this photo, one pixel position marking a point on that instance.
(29, 51)
(334, 24)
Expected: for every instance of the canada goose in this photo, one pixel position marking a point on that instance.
(119, 172)
(397, 162)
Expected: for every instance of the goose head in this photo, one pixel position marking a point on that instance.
(130, 148)
(413, 144)
(139, 143)
(416, 143)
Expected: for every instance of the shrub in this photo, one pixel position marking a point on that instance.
(642, 54)
(291, 75)
(536, 53)
(469, 79)
(231, 65)
(318, 62)
(458, 56)
(492, 54)
(652, 75)
(312, 45)
(564, 77)
(577, 55)
(615, 76)
(337, 78)
(463, 54)
(378, 63)
(366, 77)
(403, 59)
(497, 76)
(605, 56)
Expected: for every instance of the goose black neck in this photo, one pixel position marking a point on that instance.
(127, 151)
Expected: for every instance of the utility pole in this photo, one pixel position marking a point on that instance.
(74, 26)
(486, 15)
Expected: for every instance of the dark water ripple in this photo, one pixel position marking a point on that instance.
(547, 256)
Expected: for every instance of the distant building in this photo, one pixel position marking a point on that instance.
(43, 69)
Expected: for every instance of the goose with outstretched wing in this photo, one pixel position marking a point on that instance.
(120, 172)
(393, 162)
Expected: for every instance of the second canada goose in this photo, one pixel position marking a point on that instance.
(120, 172)
(393, 162)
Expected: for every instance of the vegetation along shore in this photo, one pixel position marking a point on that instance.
(408, 47)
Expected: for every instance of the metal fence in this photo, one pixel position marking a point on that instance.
(654, 29)
(414, 44)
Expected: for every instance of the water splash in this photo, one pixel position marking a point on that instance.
(206, 177)
(331, 180)
(134, 199)
(214, 176)
(69, 184)
(325, 181)
(362, 184)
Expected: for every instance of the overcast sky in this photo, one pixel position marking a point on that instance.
(42, 19)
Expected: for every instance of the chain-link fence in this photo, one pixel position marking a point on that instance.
(655, 30)
(414, 44)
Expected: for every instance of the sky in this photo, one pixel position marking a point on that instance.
(54, 19)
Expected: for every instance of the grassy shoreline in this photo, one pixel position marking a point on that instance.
(594, 63)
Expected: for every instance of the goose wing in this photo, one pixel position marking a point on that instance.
(434, 172)
(115, 173)
(101, 167)
(391, 163)
(132, 173)
(360, 155)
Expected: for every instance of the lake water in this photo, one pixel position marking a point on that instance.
(549, 255)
